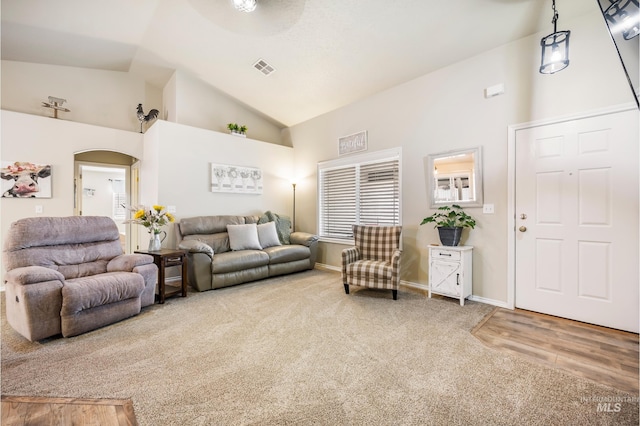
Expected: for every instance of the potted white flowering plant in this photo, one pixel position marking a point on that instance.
(153, 219)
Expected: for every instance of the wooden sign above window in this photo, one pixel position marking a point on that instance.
(352, 143)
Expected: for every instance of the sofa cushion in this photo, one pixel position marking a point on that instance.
(218, 242)
(290, 253)
(244, 237)
(267, 235)
(55, 231)
(233, 261)
(370, 269)
(89, 292)
(208, 224)
(76, 246)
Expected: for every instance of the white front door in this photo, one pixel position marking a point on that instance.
(576, 219)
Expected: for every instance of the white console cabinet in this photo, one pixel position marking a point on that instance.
(450, 271)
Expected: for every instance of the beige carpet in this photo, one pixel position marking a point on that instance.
(296, 350)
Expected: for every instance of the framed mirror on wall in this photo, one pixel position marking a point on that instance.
(455, 177)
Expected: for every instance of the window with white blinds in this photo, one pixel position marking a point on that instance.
(362, 190)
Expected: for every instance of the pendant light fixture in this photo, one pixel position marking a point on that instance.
(245, 5)
(555, 48)
(623, 16)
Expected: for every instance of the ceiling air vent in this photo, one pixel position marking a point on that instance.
(263, 67)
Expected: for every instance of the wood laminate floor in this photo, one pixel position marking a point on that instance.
(26, 410)
(601, 354)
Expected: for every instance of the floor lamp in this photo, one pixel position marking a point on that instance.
(293, 227)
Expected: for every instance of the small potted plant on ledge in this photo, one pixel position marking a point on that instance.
(450, 221)
(237, 130)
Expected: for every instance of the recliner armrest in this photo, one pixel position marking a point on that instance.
(32, 275)
(194, 246)
(126, 262)
(303, 238)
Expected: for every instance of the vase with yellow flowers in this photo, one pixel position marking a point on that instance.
(153, 219)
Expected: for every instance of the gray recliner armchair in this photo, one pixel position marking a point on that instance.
(69, 275)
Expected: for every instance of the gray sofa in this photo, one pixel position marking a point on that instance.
(69, 275)
(213, 264)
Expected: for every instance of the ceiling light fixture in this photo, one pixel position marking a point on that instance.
(623, 17)
(555, 48)
(245, 5)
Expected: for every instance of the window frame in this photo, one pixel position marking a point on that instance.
(392, 154)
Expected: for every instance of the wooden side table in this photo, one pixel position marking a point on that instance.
(163, 259)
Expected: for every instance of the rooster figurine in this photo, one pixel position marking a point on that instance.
(153, 114)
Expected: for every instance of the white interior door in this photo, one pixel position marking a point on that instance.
(576, 208)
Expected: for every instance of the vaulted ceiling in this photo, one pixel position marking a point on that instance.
(326, 53)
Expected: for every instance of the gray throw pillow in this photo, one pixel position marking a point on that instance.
(267, 235)
(283, 225)
(243, 237)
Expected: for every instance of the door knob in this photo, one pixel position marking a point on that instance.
(523, 229)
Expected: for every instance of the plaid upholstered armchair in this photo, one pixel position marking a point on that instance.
(375, 260)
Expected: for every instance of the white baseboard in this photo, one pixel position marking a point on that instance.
(480, 299)
(498, 303)
(328, 267)
(424, 287)
(419, 286)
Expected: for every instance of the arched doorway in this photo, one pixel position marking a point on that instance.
(106, 184)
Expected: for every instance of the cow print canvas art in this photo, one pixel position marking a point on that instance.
(22, 179)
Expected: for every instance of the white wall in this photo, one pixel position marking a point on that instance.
(176, 171)
(446, 110)
(98, 191)
(102, 98)
(169, 102)
(199, 105)
(110, 98)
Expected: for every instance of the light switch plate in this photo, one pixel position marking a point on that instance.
(171, 209)
(39, 209)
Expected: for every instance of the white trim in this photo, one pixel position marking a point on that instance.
(424, 287)
(479, 299)
(487, 301)
(511, 181)
(345, 242)
(327, 267)
(360, 158)
(418, 286)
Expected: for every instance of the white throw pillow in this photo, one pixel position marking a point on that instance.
(244, 237)
(267, 235)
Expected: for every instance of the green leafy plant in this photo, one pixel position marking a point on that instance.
(234, 127)
(450, 217)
